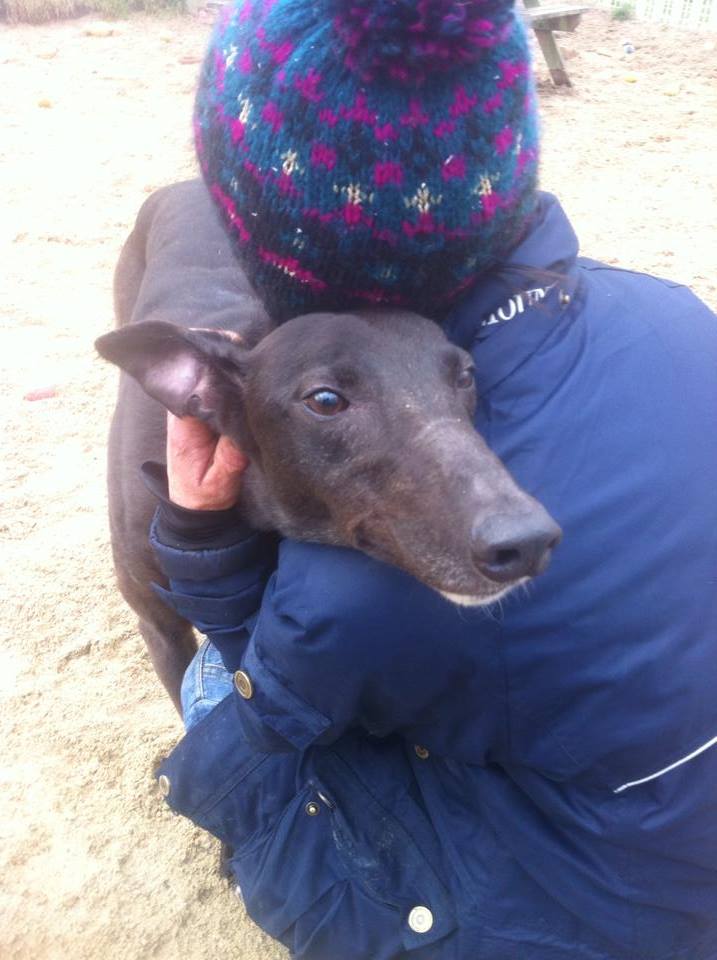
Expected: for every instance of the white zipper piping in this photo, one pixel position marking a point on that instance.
(677, 763)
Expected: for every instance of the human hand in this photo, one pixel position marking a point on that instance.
(204, 471)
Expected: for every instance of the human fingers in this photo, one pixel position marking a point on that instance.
(203, 470)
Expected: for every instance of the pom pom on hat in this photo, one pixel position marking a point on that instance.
(409, 39)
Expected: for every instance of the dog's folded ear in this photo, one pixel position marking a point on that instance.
(191, 372)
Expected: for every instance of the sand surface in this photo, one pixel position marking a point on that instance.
(92, 864)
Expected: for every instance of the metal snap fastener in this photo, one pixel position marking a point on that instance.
(420, 919)
(565, 298)
(312, 808)
(421, 752)
(164, 785)
(242, 681)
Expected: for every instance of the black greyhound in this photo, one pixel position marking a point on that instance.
(358, 426)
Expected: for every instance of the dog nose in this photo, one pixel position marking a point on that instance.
(507, 548)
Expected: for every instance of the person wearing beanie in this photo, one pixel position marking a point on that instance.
(397, 777)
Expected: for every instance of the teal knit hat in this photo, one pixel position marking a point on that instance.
(368, 152)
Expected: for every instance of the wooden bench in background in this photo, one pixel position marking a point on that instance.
(543, 21)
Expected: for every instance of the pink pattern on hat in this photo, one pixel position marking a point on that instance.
(510, 71)
(503, 140)
(236, 128)
(489, 204)
(454, 168)
(246, 64)
(445, 128)
(321, 155)
(378, 296)
(424, 224)
(231, 211)
(293, 268)
(255, 172)
(286, 185)
(359, 111)
(462, 103)
(416, 116)
(312, 213)
(280, 52)
(388, 172)
(328, 117)
(273, 116)
(352, 214)
(308, 86)
(385, 132)
(386, 236)
(493, 103)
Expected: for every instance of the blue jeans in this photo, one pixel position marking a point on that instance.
(206, 683)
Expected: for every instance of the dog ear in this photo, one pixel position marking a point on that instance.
(193, 373)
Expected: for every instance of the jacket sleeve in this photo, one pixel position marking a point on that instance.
(217, 588)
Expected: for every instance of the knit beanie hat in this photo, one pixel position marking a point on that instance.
(368, 152)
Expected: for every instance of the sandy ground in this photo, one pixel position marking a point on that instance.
(92, 865)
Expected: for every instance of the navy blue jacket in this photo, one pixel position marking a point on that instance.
(541, 777)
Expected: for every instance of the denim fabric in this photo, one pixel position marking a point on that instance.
(206, 683)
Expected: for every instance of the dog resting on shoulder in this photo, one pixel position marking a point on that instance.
(358, 426)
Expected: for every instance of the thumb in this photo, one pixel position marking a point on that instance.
(229, 457)
(189, 435)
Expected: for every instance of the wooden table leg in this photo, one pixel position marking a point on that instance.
(553, 58)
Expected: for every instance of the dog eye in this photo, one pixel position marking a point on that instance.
(327, 403)
(465, 378)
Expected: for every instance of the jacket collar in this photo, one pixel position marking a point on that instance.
(507, 315)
